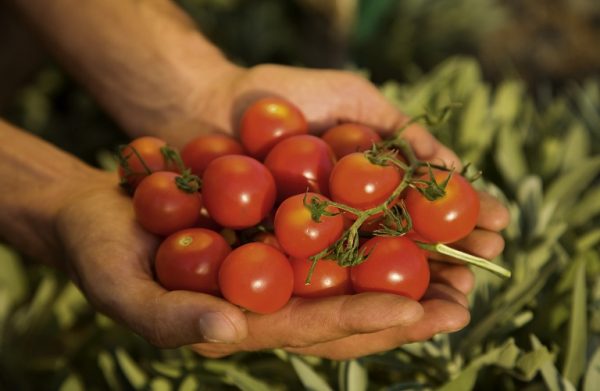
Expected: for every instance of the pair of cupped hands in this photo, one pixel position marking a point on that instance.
(109, 256)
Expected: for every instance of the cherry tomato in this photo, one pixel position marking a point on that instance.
(328, 278)
(200, 151)
(190, 260)
(205, 221)
(299, 164)
(345, 139)
(238, 191)
(358, 183)
(394, 265)
(268, 121)
(301, 236)
(257, 277)
(267, 238)
(446, 219)
(132, 170)
(162, 208)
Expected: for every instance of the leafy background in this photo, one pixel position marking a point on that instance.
(526, 78)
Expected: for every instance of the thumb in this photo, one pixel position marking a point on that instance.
(169, 319)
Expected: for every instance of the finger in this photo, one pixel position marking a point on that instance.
(458, 277)
(440, 316)
(166, 319)
(428, 148)
(493, 215)
(445, 292)
(306, 322)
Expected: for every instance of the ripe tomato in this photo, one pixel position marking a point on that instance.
(395, 265)
(201, 150)
(257, 277)
(190, 260)
(238, 191)
(299, 164)
(298, 234)
(446, 219)
(132, 170)
(345, 139)
(328, 278)
(162, 208)
(267, 238)
(358, 183)
(268, 121)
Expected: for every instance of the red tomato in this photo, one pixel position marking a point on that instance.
(446, 219)
(238, 191)
(267, 238)
(148, 149)
(257, 277)
(348, 138)
(395, 265)
(299, 164)
(358, 183)
(328, 278)
(162, 208)
(301, 236)
(190, 260)
(268, 121)
(205, 221)
(200, 151)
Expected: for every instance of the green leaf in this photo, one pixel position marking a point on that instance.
(531, 362)
(475, 132)
(576, 147)
(577, 342)
(108, 367)
(38, 309)
(508, 101)
(545, 365)
(510, 157)
(236, 376)
(466, 379)
(308, 376)
(136, 376)
(12, 277)
(160, 384)
(189, 383)
(586, 209)
(72, 383)
(565, 190)
(353, 376)
(592, 375)
(68, 305)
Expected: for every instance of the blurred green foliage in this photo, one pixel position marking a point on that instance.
(539, 150)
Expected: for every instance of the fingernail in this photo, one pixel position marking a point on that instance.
(216, 327)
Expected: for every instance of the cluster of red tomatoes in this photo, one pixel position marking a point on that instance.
(242, 219)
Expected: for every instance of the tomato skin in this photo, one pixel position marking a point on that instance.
(190, 260)
(446, 219)
(328, 278)
(267, 238)
(358, 183)
(348, 138)
(162, 208)
(268, 121)
(148, 148)
(238, 191)
(299, 164)
(394, 265)
(296, 231)
(257, 277)
(200, 151)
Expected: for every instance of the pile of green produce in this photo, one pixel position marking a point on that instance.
(538, 330)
